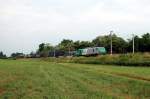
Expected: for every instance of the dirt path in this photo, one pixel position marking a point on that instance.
(128, 76)
(1, 91)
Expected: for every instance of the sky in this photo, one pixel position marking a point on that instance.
(24, 24)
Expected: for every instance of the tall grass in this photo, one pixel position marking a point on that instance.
(36, 79)
(138, 59)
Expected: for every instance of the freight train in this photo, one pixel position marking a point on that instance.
(90, 51)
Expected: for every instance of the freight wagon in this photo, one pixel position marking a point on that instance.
(91, 51)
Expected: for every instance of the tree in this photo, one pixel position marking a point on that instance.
(136, 44)
(145, 43)
(82, 44)
(41, 47)
(44, 49)
(119, 44)
(2, 56)
(66, 45)
(102, 41)
(17, 55)
(142, 44)
(77, 45)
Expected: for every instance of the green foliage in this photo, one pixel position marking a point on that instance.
(142, 44)
(119, 44)
(145, 42)
(2, 55)
(41, 47)
(66, 45)
(17, 55)
(44, 49)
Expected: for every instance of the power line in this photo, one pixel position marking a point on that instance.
(54, 52)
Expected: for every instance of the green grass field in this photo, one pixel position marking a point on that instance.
(36, 79)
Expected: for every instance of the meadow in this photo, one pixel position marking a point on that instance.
(38, 79)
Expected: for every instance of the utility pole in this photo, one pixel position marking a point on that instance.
(69, 51)
(133, 43)
(69, 48)
(54, 52)
(111, 50)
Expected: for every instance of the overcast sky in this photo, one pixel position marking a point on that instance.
(26, 23)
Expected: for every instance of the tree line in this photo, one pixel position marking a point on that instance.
(120, 45)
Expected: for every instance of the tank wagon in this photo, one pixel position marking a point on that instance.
(91, 51)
